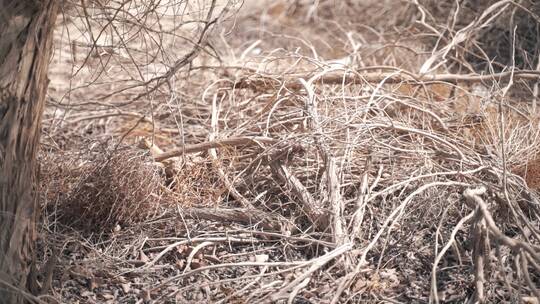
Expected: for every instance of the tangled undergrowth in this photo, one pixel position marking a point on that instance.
(100, 186)
(288, 175)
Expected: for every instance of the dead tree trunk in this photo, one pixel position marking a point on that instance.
(26, 29)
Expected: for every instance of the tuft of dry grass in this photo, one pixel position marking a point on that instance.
(97, 188)
(193, 182)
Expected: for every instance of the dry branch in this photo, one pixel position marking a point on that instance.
(473, 196)
(316, 264)
(374, 167)
(217, 164)
(336, 202)
(221, 143)
(331, 176)
(316, 214)
(487, 226)
(346, 77)
(238, 215)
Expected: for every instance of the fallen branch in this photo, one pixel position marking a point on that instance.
(216, 162)
(434, 292)
(239, 215)
(259, 82)
(522, 249)
(228, 142)
(315, 213)
(473, 196)
(316, 264)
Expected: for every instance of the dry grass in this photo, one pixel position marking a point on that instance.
(102, 186)
(292, 176)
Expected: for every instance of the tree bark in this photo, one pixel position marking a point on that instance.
(26, 30)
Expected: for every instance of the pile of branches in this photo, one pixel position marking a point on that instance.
(334, 183)
(389, 180)
(481, 35)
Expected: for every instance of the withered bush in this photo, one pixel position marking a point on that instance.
(95, 189)
(510, 38)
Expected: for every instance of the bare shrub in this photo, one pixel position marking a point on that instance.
(506, 36)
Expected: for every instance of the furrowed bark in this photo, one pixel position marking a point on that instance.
(26, 30)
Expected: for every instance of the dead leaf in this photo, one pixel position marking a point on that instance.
(93, 283)
(530, 300)
(261, 258)
(196, 263)
(180, 264)
(126, 287)
(145, 295)
(87, 294)
(117, 228)
(143, 257)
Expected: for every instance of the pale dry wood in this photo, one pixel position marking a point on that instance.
(315, 265)
(479, 255)
(292, 82)
(473, 197)
(215, 144)
(434, 294)
(488, 15)
(216, 162)
(336, 202)
(331, 177)
(246, 216)
(316, 214)
(520, 248)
